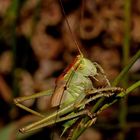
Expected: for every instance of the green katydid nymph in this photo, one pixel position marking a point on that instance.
(73, 91)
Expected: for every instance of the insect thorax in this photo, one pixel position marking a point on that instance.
(79, 81)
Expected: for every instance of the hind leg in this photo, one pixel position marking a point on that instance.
(19, 100)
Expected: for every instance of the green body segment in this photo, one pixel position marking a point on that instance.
(76, 81)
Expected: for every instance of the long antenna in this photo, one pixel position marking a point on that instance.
(74, 40)
(82, 15)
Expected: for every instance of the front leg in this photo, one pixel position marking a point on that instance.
(47, 122)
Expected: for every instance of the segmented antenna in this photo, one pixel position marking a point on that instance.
(74, 40)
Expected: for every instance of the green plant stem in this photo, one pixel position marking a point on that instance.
(127, 24)
(122, 94)
(126, 69)
(10, 23)
(15, 10)
(126, 52)
(121, 75)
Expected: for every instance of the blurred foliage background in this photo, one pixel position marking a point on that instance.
(36, 45)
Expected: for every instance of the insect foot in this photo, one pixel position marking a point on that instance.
(16, 100)
(89, 114)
